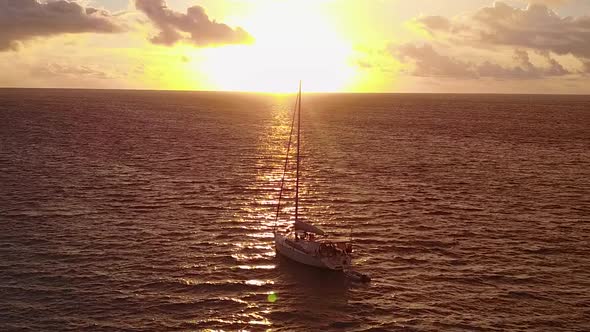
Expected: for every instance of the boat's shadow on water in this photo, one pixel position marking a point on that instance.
(309, 294)
(308, 278)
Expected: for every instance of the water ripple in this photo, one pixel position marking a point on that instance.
(123, 212)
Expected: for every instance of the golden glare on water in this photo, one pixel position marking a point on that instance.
(293, 41)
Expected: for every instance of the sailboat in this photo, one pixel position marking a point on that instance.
(304, 242)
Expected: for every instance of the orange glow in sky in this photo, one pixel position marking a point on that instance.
(298, 43)
(461, 46)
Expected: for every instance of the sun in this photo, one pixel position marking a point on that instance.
(293, 41)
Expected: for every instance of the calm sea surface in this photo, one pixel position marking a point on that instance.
(153, 211)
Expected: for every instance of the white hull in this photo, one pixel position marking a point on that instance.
(307, 254)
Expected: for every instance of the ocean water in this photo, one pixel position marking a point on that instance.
(153, 211)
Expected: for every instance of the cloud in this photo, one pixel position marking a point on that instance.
(492, 31)
(53, 70)
(194, 27)
(549, 3)
(523, 70)
(428, 62)
(537, 27)
(27, 19)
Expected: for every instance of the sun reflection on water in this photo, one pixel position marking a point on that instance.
(255, 282)
(259, 267)
(253, 252)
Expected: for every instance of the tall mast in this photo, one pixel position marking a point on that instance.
(286, 164)
(298, 150)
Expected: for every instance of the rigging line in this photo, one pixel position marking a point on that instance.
(298, 158)
(286, 162)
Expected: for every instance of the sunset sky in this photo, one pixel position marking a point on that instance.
(268, 45)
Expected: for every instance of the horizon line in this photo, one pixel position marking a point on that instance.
(290, 93)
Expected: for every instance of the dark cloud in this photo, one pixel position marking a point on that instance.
(536, 27)
(428, 62)
(194, 26)
(26, 19)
